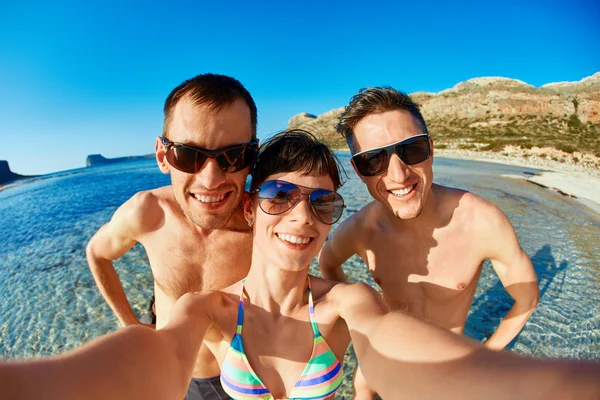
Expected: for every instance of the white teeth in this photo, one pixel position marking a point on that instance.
(402, 192)
(293, 239)
(209, 199)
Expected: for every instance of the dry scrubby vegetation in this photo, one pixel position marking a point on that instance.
(502, 115)
(565, 133)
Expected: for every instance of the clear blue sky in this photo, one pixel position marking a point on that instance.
(79, 78)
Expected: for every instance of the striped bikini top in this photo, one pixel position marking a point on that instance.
(321, 378)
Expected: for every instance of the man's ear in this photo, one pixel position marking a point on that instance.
(362, 178)
(160, 153)
(248, 208)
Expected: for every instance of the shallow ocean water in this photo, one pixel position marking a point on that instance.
(49, 302)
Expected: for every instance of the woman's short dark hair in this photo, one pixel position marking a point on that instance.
(295, 150)
(375, 100)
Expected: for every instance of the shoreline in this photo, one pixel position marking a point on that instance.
(577, 181)
(581, 182)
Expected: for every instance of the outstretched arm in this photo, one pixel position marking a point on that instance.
(341, 246)
(501, 246)
(401, 354)
(113, 240)
(132, 363)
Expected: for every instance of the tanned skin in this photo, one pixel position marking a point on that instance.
(425, 244)
(402, 356)
(192, 245)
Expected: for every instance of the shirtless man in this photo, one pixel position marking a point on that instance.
(193, 231)
(423, 243)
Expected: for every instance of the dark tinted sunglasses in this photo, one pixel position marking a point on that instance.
(411, 151)
(191, 159)
(277, 197)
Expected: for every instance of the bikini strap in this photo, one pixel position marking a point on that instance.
(240, 318)
(311, 311)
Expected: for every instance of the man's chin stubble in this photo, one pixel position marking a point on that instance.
(211, 223)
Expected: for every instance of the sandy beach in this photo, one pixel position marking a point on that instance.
(576, 180)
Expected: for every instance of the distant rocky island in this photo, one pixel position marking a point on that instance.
(98, 159)
(7, 176)
(557, 121)
(560, 121)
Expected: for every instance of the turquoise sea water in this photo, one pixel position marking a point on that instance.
(49, 302)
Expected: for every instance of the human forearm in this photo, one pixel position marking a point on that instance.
(510, 326)
(132, 363)
(425, 362)
(330, 267)
(333, 273)
(111, 289)
(518, 277)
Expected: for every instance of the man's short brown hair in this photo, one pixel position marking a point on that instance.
(216, 91)
(375, 100)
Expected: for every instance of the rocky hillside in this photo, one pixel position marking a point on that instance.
(495, 113)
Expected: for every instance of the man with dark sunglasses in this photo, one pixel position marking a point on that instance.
(194, 231)
(423, 243)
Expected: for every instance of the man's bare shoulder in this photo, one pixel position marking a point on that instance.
(476, 214)
(363, 222)
(149, 199)
(462, 203)
(483, 211)
(145, 210)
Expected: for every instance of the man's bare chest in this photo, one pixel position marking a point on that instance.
(189, 263)
(437, 268)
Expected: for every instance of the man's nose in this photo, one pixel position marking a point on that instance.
(397, 170)
(211, 176)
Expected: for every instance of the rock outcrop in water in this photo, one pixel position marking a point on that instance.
(492, 113)
(99, 159)
(7, 176)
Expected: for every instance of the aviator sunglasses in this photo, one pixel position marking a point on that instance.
(411, 151)
(277, 197)
(191, 159)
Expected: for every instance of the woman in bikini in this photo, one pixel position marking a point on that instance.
(282, 333)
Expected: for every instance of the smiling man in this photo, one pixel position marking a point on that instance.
(193, 231)
(423, 243)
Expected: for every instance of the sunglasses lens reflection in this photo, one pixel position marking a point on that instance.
(372, 162)
(415, 152)
(328, 206)
(185, 159)
(411, 151)
(277, 197)
(190, 160)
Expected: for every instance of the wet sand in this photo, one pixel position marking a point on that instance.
(580, 182)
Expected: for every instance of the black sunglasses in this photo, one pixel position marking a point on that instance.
(411, 151)
(277, 197)
(191, 159)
